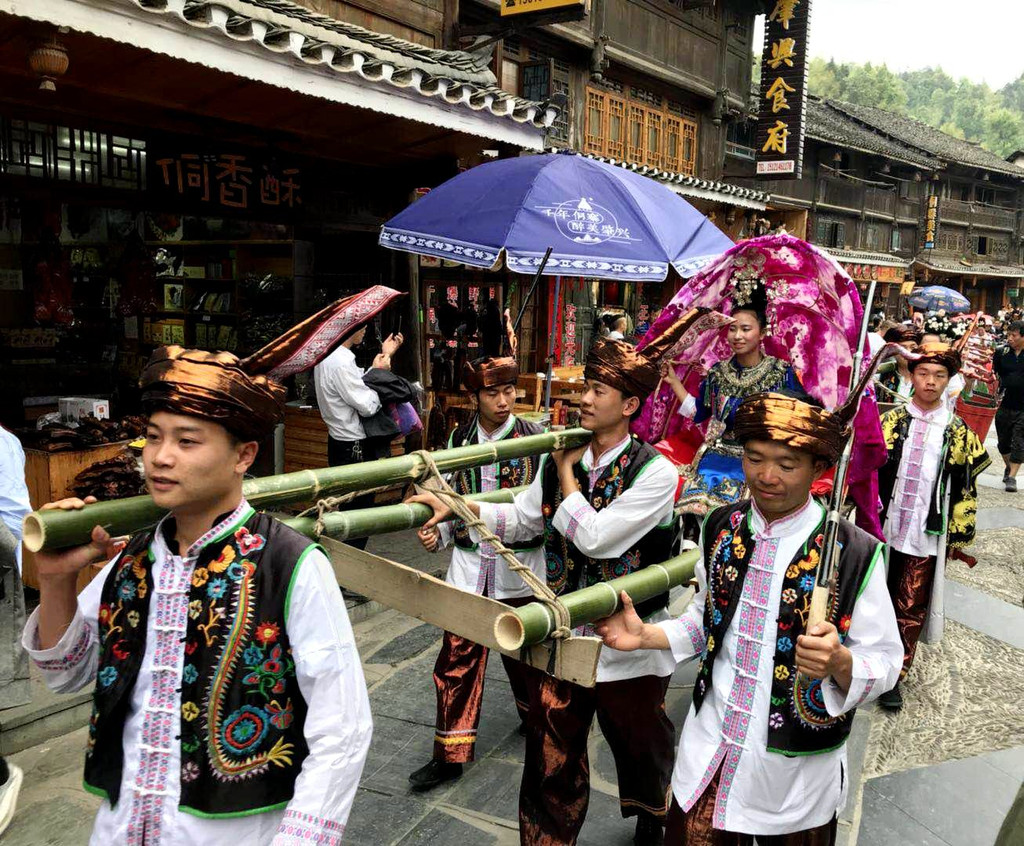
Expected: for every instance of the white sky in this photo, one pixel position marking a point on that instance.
(980, 39)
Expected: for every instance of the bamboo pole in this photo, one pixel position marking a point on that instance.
(536, 622)
(56, 529)
(364, 522)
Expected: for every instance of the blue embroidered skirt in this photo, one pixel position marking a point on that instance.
(718, 480)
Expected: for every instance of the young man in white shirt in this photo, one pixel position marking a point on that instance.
(928, 490)
(605, 510)
(762, 752)
(230, 705)
(343, 398)
(461, 664)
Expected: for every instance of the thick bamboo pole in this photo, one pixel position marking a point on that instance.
(536, 622)
(364, 522)
(57, 529)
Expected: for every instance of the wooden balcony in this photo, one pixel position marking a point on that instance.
(976, 214)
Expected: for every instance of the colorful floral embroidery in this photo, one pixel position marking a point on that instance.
(200, 576)
(784, 644)
(190, 674)
(268, 675)
(280, 717)
(781, 672)
(195, 608)
(248, 542)
(776, 720)
(244, 730)
(108, 676)
(266, 633)
(222, 561)
(189, 771)
(189, 710)
(217, 588)
(789, 596)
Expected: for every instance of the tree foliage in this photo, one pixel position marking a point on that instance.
(966, 109)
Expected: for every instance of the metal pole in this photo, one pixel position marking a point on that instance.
(533, 287)
(551, 344)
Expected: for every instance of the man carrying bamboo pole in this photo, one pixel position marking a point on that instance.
(461, 664)
(230, 705)
(929, 493)
(762, 751)
(605, 510)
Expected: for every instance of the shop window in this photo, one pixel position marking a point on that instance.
(829, 233)
(894, 240)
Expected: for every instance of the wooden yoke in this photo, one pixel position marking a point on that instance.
(468, 615)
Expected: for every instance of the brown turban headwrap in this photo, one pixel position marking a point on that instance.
(245, 396)
(800, 425)
(494, 370)
(937, 353)
(637, 372)
(790, 421)
(903, 335)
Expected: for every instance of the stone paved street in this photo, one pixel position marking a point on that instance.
(944, 772)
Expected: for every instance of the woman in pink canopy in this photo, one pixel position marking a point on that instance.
(813, 315)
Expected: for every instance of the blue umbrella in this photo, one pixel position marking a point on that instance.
(599, 220)
(940, 298)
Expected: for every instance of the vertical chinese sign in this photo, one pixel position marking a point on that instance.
(783, 96)
(931, 222)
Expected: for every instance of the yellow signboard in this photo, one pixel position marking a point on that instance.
(907, 288)
(522, 7)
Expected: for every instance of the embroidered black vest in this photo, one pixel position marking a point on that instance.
(242, 713)
(568, 569)
(511, 474)
(798, 722)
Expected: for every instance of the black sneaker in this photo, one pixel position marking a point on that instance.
(892, 699)
(649, 831)
(435, 773)
(1011, 485)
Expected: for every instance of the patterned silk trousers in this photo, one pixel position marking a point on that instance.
(910, 586)
(555, 791)
(459, 680)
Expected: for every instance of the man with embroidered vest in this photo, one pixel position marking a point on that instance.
(230, 706)
(762, 751)
(461, 664)
(929, 493)
(605, 509)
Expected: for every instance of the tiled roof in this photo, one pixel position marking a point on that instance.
(866, 257)
(830, 124)
(926, 138)
(947, 265)
(456, 77)
(707, 189)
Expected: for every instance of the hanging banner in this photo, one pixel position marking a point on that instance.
(783, 96)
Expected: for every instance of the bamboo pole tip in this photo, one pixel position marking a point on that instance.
(508, 632)
(34, 533)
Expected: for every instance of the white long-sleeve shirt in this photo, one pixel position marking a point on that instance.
(342, 395)
(337, 728)
(14, 502)
(762, 792)
(481, 571)
(907, 516)
(607, 533)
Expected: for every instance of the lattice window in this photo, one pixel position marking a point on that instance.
(615, 136)
(673, 156)
(654, 139)
(597, 116)
(688, 161)
(71, 155)
(637, 133)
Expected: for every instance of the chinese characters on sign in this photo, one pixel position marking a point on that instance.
(229, 181)
(783, 96)
(931, 222)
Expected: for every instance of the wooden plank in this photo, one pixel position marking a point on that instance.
(466, 614)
